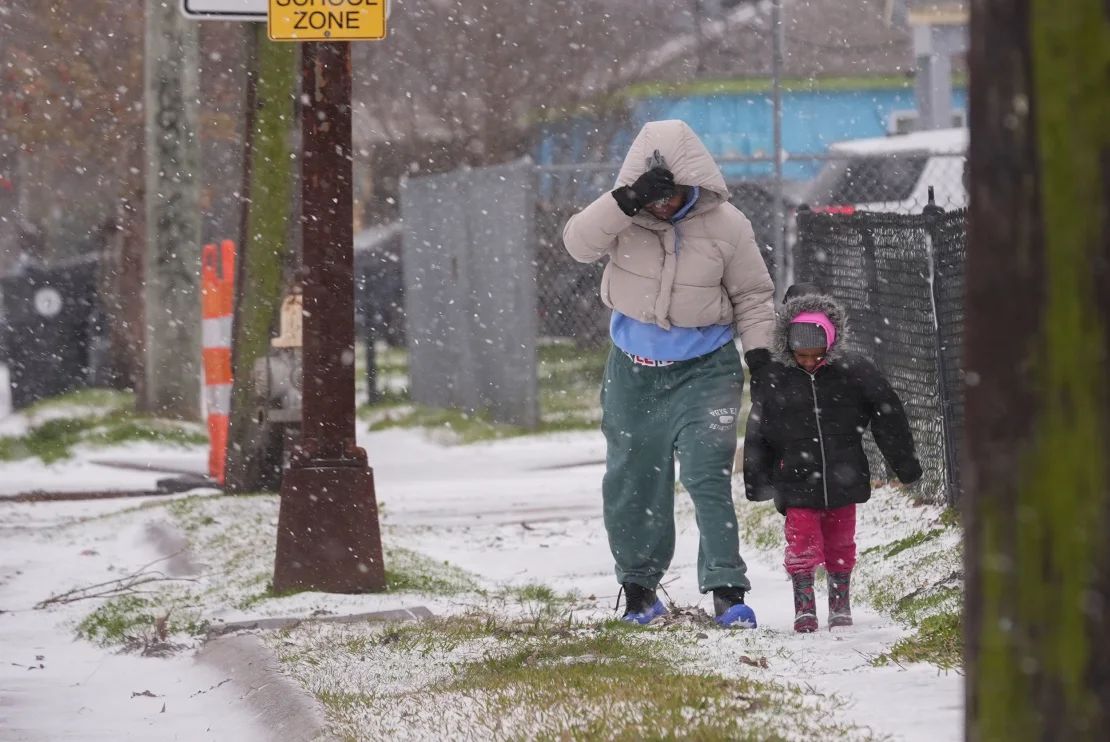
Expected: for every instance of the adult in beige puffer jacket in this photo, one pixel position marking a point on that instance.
(722, 276)
(684, 279)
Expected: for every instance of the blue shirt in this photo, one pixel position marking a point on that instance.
(678, 343)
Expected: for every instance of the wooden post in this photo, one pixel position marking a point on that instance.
(1037, 474)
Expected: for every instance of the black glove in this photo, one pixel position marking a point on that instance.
(757, 359)
(653, 185)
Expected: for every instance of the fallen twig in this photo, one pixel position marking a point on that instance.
(126, 585)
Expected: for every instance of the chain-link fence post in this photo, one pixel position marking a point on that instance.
(932, 214)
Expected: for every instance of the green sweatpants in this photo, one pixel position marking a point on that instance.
(650, 414)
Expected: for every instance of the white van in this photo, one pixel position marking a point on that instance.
(892, 173)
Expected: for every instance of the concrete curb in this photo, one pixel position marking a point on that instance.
(278, 702)
(418, 613)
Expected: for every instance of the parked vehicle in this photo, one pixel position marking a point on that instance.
(892, 174)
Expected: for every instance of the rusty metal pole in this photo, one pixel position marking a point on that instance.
(328, 534)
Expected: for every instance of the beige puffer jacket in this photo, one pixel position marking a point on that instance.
(718, 275)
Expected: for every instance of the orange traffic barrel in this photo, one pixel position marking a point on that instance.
(217, 308)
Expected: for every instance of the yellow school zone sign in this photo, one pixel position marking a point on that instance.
(327, 20)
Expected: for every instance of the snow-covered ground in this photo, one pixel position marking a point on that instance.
(56, 687)
(516, 512)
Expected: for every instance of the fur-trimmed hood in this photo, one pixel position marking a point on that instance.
(810, 303)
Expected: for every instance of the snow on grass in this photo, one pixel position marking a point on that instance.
(95, 418)
(479, 675)
(910, 566)
(568, 380)
(503, 540)
(84, 403)
(225, 549)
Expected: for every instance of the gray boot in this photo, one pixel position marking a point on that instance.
(840, 604)
(805, 604)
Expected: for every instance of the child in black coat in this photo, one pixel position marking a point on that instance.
(804, 447)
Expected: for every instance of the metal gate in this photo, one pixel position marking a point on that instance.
(470, 291)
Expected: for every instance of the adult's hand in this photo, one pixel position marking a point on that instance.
(757, 359)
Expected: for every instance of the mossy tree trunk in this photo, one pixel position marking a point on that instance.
(264, 247)
(1037, 359)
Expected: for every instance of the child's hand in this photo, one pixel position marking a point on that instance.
(916, 490)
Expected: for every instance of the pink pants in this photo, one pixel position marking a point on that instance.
(815, 536)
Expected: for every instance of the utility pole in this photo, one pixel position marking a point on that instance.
(1037, 469)
(699, 40)
(172, 267)
(783, 263)
(328, 533)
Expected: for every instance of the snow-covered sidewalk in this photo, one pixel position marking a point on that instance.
(54, 686)
(514, 513)
(528, 511)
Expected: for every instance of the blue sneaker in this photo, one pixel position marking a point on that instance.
(641, 606)
(730, 611)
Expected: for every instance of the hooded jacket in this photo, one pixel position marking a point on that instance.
(705, 270)
(804, 441)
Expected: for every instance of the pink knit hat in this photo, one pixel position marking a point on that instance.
(821, 320)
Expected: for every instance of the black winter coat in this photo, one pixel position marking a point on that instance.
(804, 440)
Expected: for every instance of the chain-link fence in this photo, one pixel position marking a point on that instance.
(948, 235)
(566, 290)
(900, 278)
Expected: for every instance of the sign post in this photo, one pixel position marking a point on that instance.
(328, 533)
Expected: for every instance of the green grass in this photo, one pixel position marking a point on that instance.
(104, 399)
(97, 418)
(233, 540)
(613, 104)
(549, 682)
(462, 427)
(116, 619)
(409, 571)
(568, 379)
(916, 608)
(909, 542)
(741, 86)
(130, 618)
(537, 593)
(950, 518)
(938, 641)
(549, 679)
(760, 525)
(935, 614)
